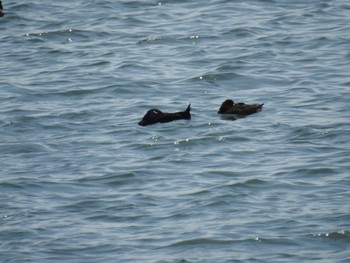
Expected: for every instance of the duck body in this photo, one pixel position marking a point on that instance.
(241, 109)
(156, 116)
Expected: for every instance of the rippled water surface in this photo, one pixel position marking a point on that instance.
(80, 181)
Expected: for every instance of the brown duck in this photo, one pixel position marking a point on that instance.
(229, 107)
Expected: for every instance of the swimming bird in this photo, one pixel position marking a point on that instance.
(154, 116)
(229, 107)
(1, 8)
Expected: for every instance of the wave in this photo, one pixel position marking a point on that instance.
(25, 148)
(112, 179)
(69, 34)
(342, 234)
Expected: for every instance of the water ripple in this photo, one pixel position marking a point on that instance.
(81, 181)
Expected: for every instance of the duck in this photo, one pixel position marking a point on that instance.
(156, 116)
(1, 9)
(242, 109)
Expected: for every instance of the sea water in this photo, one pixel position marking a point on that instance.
(80, 181)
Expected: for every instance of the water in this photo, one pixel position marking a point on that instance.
(80, 181)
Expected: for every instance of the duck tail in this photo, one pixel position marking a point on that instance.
(187, 112)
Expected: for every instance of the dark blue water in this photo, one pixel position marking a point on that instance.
(80, 181)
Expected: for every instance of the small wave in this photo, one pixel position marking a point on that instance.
(24, 148)
(110, 179)
(169, 39)
(8, 185)
(220, 242)
(249, 184)
(241, 32)
(49, 34)
(180, 260)
(200, 241)
(114, 218)
(342, 234)
(219, 76)
(315, 171)
(76, 92)
(150, 40)
(69, 34)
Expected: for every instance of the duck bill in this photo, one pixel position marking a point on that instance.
(142, 123)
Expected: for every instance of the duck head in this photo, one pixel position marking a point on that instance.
(150, 117)
(225, 106)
